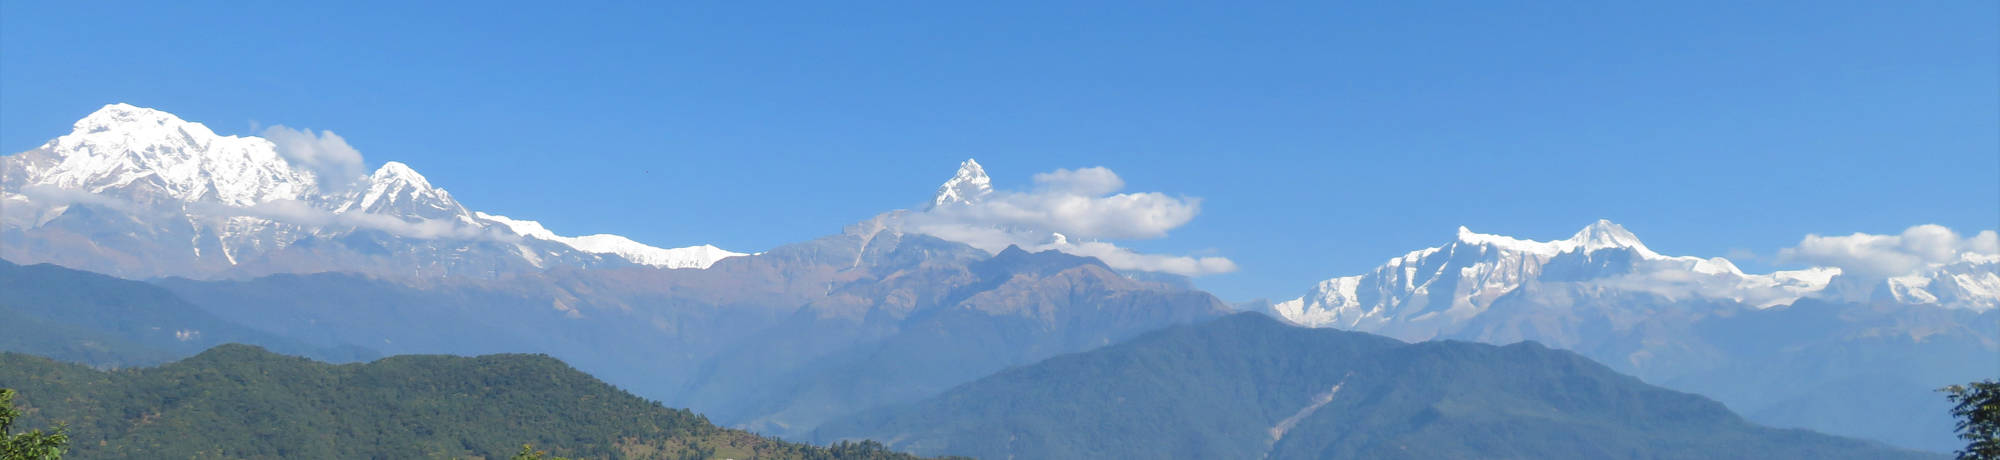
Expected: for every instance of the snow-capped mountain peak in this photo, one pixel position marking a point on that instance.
(238, 199)
(399, 173)
(968, 186)
(127, 118)
(395, 189)
(1433, 290)
(394, 181)
(1604, 234)
(150, 155)
(1972, 282)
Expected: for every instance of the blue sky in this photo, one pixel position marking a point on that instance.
(1321, 139)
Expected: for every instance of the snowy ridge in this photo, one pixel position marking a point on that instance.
(241, 196)
(1440, 287)
(688, 257)
(1455, 281)
(1973, 281)
(1599, 235)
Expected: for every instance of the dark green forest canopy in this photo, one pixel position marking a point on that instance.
(238, 401)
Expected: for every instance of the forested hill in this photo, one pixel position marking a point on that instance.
(1248, 387)
(239, 401)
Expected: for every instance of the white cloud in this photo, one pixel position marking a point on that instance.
(1077, 203)
(1081, 204)
(1881, 256)
(1128, 259)
(56, 196)
(1092, 181)
(325, 154)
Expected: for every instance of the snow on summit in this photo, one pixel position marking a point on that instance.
(125, 147)
(969, 185)
(1602, 234)
(242, 193)
(1432, 290)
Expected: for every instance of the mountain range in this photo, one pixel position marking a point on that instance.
(138, 192)
(774, 342)
(395, 265)
(1698, 325)
(1437, 291)
(209, 239)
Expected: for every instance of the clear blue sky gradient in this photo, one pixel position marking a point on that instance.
(1323, 139)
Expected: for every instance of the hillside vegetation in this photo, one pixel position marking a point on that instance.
(237, 401)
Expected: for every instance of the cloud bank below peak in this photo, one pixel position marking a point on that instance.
(1076, 211)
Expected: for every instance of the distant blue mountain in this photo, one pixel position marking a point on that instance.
(1249, 387)
(107, 322)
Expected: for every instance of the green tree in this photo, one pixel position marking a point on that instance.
(528, 452)
(1978, 413)
(32, 445)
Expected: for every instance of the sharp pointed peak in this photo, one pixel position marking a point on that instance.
(969, 171)
(968, 185)
(396, 169)
(1603, 225)
(1604, 234)
(970, 168)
